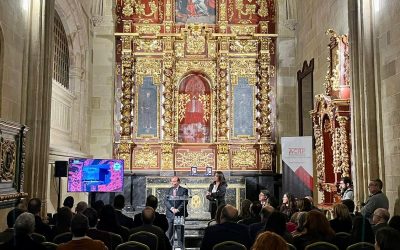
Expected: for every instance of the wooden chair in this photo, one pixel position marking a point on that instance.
(229, 245)
(361, 246)
(342, 240)
(62, 238)
(321, 245)
(116, 240)
(49, 245)
(147, 238)
(132, 245)
(38, 238)
(291, 247)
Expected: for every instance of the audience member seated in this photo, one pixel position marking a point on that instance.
(34, 207)
(269, 240)
(79, 228)
(81, 206)
(8, 234)
(228, 230)
(350, 205)
(119, 204)
(160, 219)
(24, 227)
(108, 222)
(96, 234)
(245, 209)
(218, 213)
(304, 205)
(148, 217)
(68, 203)
(342, 221)
(277, 223)
(362, 231)
(98, 206)
(291, 225)
(256, 228)
(263, 196)
(395, 222)
(63, 221)
(380, 219)
(255, 210)
(288, 206)
(317, 228)
(300, 221)
(387, 238)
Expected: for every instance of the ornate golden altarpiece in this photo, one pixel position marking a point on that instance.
(331, 121)
(195, 85)
(12, 162)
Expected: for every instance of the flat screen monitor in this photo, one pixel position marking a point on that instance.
(95, 175)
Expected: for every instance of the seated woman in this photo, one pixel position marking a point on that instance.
(317, 228)
(342, 220)
(288, 206)
(269, 240)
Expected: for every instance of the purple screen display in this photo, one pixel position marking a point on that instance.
(95, 175)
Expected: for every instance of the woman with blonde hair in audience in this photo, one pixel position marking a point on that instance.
(270, 241)
(300, 221)
(342, 220)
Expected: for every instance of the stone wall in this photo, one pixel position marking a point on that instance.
(102, 89)
(387, 37)
(13, 28)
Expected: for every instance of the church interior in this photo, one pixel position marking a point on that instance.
(188, 88)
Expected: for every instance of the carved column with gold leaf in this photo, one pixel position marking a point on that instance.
(168, 105)
(126, 144)
(265, 71)
(344, 148)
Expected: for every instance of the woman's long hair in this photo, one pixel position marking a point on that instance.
(269, 240)
(317, 226)
(341, 212)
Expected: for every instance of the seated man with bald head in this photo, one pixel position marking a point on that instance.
(228, 230)
(380, 219)
(148, 216)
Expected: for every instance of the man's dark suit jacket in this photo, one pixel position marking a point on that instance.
(22, 242)
(255, 229)
(163, 242)
(42, 228)
(227, 231)
(123, 219)
(175, 204)
(159, 221)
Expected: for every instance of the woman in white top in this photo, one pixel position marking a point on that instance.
(216, 193)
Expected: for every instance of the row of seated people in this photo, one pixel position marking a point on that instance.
(104, 225)
(304, 228)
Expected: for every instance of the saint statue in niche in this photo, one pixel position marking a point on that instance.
(195, 126)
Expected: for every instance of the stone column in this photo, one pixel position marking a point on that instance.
(365, 125)
(39, 83)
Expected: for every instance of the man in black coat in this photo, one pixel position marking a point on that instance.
(175, 207)
(228, 230)
(34, 207)
(160, 220)
(119, 204)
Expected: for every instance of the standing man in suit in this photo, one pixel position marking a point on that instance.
(175, 207)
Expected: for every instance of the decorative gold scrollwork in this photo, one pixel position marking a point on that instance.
(183, 100)
(243, 158)
(245, 9)
(266, 156)
(223, 156)
(205, 100)
(167, 157)
(148, 67)
(146, 158)
(195, 158)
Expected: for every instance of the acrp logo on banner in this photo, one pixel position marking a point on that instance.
(297, 163)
